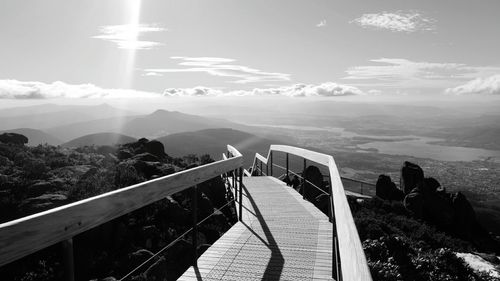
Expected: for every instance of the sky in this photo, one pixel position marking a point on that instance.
(68, 49)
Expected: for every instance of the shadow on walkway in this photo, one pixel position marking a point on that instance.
(275, 264)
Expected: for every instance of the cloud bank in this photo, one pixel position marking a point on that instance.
(126, 36)
(222, 67)
(397, 22)
(485, 86)
(328, 89)
(404, 73)
(13, 89)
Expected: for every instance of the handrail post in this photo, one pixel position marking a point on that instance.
(267, 168)
(336, 270)
(260, 168)
(68, 259)
(287, 165)
(241, 194)
(234, 185)
(194, 210)
(304, 181)
(271, 161)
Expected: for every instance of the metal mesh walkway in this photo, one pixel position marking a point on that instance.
(281, 237)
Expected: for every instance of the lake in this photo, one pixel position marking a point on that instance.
(417, 146)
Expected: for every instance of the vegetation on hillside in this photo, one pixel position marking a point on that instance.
(33, 179)
(399, 247)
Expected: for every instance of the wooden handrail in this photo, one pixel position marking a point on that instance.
(353, 263)
(30, 234)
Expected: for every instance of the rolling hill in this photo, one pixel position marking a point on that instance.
(214, 141)
(156, 124)
(99, 139)
(35, 137)
(163, 122)
(74, 130)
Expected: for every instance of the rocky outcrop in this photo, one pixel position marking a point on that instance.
(143, 145)
(313, 184)
(386, 189)
(146, 156)
(411, 175)
(155, 148)
(42, 203)
(13, 138)
(451, 212)
(42, 186)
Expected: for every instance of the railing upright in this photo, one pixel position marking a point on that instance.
(241, 195)
(271, 163)
(234, 185)
(287, 170)
(304, 180)
(68, 259)
(194, 210)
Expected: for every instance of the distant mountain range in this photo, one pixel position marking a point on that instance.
(99, 139)
(60, 123)
(163, 122)
(49, 115)
(214, 141)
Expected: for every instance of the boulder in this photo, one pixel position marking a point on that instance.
(138, 257)
(465, 218)
(386, 189)
(41, 187)
(179, 257)
(123, 154)
(322, 202)
(313, 184)
(287, 180)
(42, 203)
(156, 148)
(439, 211)
(146, 156)
(175, 213)
(157, 271)
(13, 138)
(205, 207)
(414, 203)
(295, 182)
(149, 168)
(411, 175)
(215, 190)
(71, 172)
(429, 186)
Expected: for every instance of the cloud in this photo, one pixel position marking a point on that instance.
(328, 89)
(396, 22)
(192, 92)
(321, 23)
(485, 86)
(404, 73)
(14, 89)
(222, 67)
(152, 74)
(126, 36)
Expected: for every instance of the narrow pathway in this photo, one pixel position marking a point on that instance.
(281, 237)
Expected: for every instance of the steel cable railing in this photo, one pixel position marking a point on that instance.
(174, 241)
